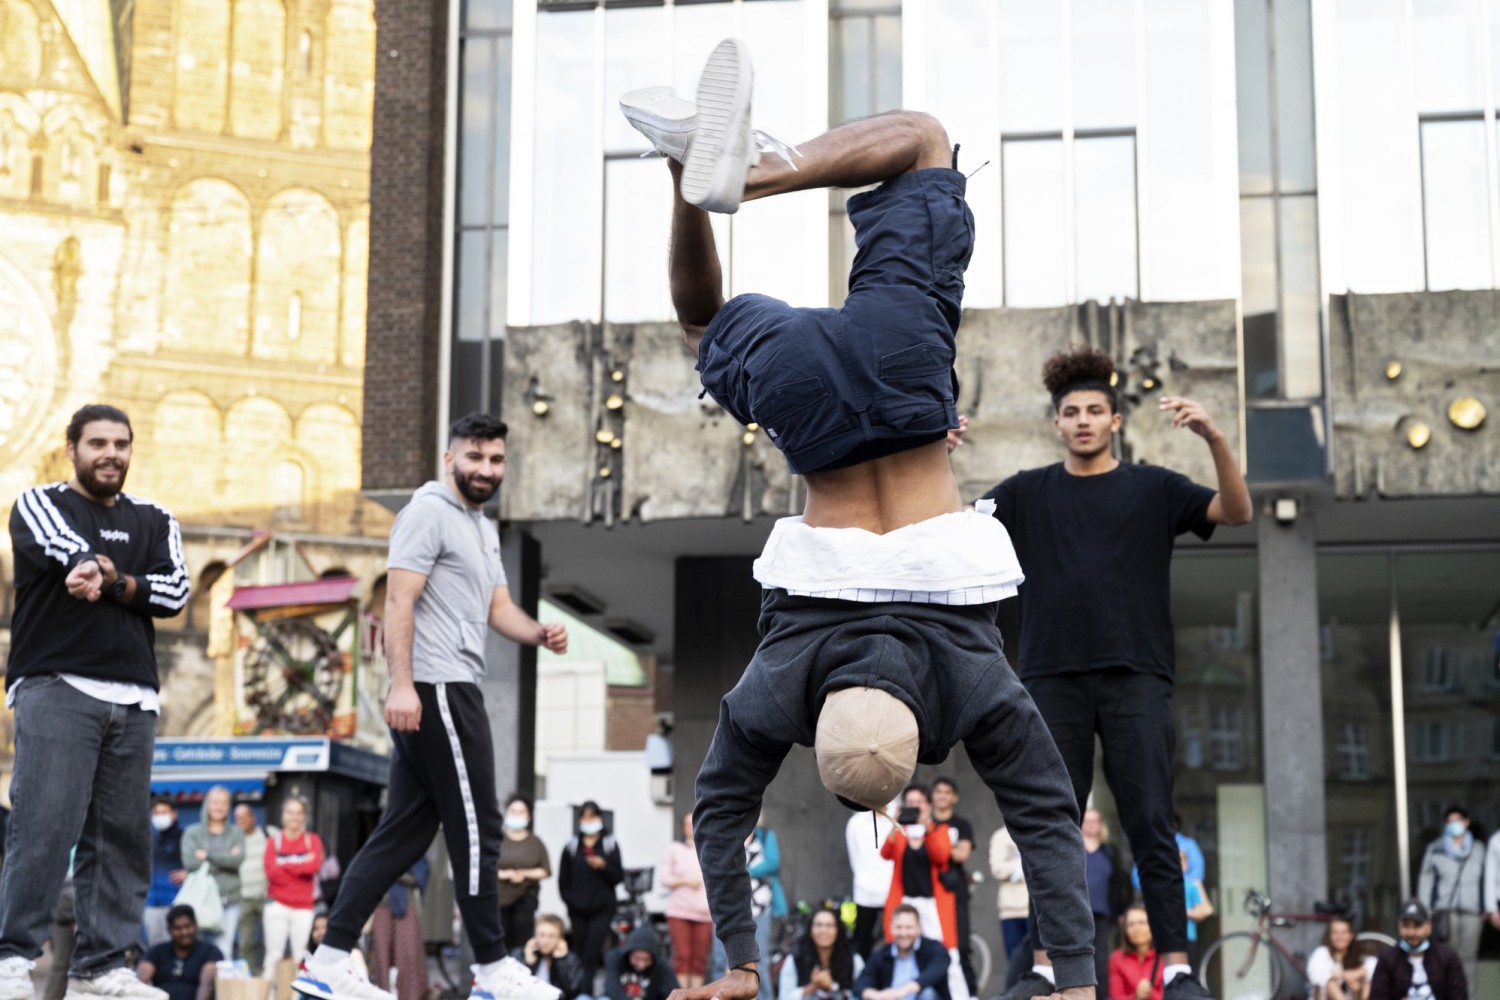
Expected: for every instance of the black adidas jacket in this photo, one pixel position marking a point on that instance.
(52, 529)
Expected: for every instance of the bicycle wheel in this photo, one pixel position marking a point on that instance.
(984, 962)
(1239, 966)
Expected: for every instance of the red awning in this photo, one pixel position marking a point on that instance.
(329, 590)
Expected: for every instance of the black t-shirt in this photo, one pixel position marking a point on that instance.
(957, 828)
(916, 873)
(179, 975)
(1097, 554)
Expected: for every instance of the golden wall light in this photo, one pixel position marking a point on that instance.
(1418, 434)
(752, 427)
(1393, 370)
(748, 437)
(617, 376)
(1114, 379)
(1466, 413)
(604, 436)
(616, 443)
(604, 472)
(614, 402)
(541, 407)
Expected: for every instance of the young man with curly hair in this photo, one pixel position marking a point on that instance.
(1095, 536)
(879, 646)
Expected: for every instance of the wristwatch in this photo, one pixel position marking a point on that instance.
(117, 589)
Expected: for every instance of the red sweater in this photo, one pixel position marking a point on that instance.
(1127, 969)
(291, 868)
(939, 850)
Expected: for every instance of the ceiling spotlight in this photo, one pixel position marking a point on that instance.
(1418, 434)
(614, 402)
(1466, 413)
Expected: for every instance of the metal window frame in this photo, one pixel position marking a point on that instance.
(1437, 118)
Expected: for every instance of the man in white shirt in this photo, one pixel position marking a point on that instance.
(872, 874)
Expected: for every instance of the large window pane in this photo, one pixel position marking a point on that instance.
(466, 371)
(499, 273)
(1448, 614)
(853, 54)
(1455, 205)
(1260, 297)
(634, 57)
(636, 213)
(500, 178)
(1301, 317)
(1031, 65)
(1103, 64)
(476, 140)
(1104, 202)
(1035, 255)
(1253, 95)
(483, 15)
(1294, 97)
(1445, 49)
(1359, 762)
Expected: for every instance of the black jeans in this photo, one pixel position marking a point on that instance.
(1131, 712)
(869, 929)
(518, 920)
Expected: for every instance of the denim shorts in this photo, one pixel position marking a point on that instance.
(836, 387)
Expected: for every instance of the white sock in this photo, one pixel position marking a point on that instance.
(326, 955)
(488, 968)
(1171, 972)
(1045, 971)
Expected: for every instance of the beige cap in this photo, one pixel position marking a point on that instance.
(866, 745)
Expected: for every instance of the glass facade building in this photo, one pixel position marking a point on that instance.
(1275, 154)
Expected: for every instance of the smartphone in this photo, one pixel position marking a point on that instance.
(908, 816)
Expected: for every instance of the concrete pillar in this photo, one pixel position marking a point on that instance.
(510, 673)
(1291, 698)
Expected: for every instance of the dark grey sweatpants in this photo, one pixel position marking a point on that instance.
(946, 664)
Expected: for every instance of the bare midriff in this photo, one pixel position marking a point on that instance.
(884, 494)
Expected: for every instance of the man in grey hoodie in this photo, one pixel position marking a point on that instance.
(445, 588)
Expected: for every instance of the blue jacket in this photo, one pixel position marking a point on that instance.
(769, 869)
(166, 858)
(932, 968)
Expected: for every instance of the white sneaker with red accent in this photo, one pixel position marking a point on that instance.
(339, 980)
(118, 983)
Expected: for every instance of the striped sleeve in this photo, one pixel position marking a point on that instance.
(163, 590)
(41, 532)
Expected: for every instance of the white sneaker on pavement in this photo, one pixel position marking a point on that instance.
(339, 980)
(117, 983)
(722, 149)
(15, 978)
(663, 117)
(511, 981)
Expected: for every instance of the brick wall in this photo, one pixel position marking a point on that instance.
(403, 334)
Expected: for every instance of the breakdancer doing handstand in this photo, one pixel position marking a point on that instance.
(879, 645)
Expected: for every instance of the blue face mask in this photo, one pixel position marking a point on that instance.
(1417, 949)
(1457, 829)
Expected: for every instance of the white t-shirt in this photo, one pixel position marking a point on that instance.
(961, 558)
(1420, 988)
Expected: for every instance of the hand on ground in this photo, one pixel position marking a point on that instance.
(1074, 993)
(737, 985)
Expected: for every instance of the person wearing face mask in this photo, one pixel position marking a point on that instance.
(587, 874)
(1417, 967)
(167, 872)
(523, 865)
(922, 851)
(1450, 885)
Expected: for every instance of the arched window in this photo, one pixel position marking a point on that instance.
(200, 609)
(349, 74)
(288, 492)
(202, 36)
(208, 268)
(297, 279)
(259, 61)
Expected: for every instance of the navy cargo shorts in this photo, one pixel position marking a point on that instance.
(836, 387)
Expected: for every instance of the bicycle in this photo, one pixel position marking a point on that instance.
(1235, 967)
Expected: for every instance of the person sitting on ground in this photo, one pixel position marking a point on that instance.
(547, 955)
(822, 964)
(878, 619)
(1325, 966)
(1134, 972)
(1418, 966)
(184, 967)
(1356, 978)
(635, 971)
(911, 966)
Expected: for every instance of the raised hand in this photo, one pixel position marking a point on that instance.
(1191, 415)
(956, 434)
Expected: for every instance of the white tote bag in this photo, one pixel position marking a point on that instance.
(201, 892)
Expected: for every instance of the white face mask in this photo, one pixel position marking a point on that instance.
(515, 822)
(591, 828)
(162, 820)
(916, 830)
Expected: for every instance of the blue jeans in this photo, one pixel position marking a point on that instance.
(82, 775)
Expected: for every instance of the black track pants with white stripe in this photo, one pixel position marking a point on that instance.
(442, 773)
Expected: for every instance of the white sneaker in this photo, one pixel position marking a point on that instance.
(119, 982)
(663, 117)
(512, 981)
(722, 149)
(335, 981)
(15, 978)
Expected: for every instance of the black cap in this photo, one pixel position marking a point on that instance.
(1414, 911)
